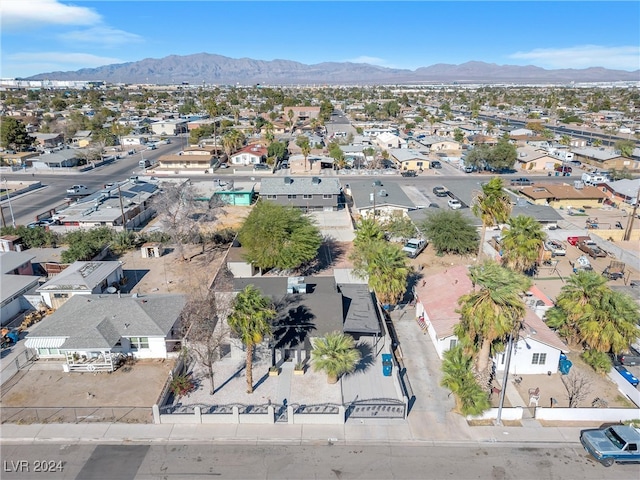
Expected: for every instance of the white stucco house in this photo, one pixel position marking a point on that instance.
(249, 155)
(538, 348)
(95, 332)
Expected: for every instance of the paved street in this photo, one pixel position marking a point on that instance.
(273, 461)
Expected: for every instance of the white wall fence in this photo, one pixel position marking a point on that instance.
(563, 414)
(625, 387)
(294, 415)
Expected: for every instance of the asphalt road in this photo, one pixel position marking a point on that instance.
(364, 462)
(26, 207)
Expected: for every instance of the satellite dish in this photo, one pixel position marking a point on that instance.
(112, 290)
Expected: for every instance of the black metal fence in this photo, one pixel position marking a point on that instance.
(377, 408)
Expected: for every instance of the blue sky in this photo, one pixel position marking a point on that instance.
(41, 36)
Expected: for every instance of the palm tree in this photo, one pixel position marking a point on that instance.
(335, 354)
(303, 142)
(387, 271)
(588, 313)
(488, 315)
(522, 244)
(290, 114)
(492, 206)
(250, 320)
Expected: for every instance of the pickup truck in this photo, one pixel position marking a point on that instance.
(577, 239)
(78, 191)
(632, 357)
(555, 247)
(414, 246)
(591, 248)
(617, 443)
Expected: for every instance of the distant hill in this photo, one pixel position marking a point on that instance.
(217, 69)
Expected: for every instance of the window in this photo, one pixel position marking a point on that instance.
(327, 196)
(139, 342)
(539, 359)
(292, 196)
(452, 343)
(307, 196)
(272, 197)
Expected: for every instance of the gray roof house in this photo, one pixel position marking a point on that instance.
(309, 193)
(95, 332)
(17, 279)
(311, 307)
(59, 159)
(383, 197)
(81, 278)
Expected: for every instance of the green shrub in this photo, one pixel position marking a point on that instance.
(181, 385)
(599, 361)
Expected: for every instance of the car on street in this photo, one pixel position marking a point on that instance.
(616, 443)
(440, 191)
(627, 375)
(408, 173)
(522, 181)
(78, 190)
(454, 204)
(261, 166)
(555, 247)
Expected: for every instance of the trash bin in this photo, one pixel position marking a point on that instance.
(387, 365)
(565, 364)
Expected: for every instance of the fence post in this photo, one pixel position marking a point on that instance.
(272, 413)
(289, 414)
(156, 414)
(236, 413)
(198, 414)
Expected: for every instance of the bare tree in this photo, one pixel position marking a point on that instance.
(185, 218)
(204, 333)
(578, 387)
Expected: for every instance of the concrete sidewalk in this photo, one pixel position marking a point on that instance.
(377, 432)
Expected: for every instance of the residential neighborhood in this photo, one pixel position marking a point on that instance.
(246, 256)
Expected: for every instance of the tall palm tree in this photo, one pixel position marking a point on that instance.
(303, 142)
(522, 244)
(335, 354)
(489, 314)
(251, 321)
(588, 313)
(492, 206)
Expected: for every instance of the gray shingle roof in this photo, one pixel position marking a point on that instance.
(9, 261)
(361, 312)
(361, 193)
(90, 321)
(299, 185)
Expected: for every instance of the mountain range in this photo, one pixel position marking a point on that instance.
(217, 69)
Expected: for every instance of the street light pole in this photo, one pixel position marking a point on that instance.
(13, 220)
(505, 379)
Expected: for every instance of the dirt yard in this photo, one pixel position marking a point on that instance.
(66, 396)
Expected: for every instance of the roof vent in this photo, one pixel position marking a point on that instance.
(383, 193)
(288, 180)
(315, 180)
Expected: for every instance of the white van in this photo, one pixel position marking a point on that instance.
(144, 163)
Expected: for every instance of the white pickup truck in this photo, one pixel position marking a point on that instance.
(414, 246)
(78, 191)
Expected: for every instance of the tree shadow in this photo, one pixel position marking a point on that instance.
(293, 324)
(414, 279)
(328, 253)
(366, 358)
(235, 375)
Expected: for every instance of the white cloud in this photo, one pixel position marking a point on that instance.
(37, 13)
(27, 64)
(583, 56)
(102, 35)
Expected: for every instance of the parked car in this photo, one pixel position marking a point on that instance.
(521, 181)
(436, 164)
(591, 248)
(151, 146)
(555, 247)
(564, 169)
(408, 173)
(261, 166)
(440, 192)
(454, 204)
(627, 375)
(223, 165)
(574, 240)
(631, 357)
(469, 169)
(414, 246)
(616, 443)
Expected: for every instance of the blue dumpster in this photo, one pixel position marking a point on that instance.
(387, 365)
(565, 364)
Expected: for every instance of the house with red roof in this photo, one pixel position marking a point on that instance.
(538, 347)
(249, 155)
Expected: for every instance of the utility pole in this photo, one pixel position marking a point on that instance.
(121, 209)
(627, 232)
